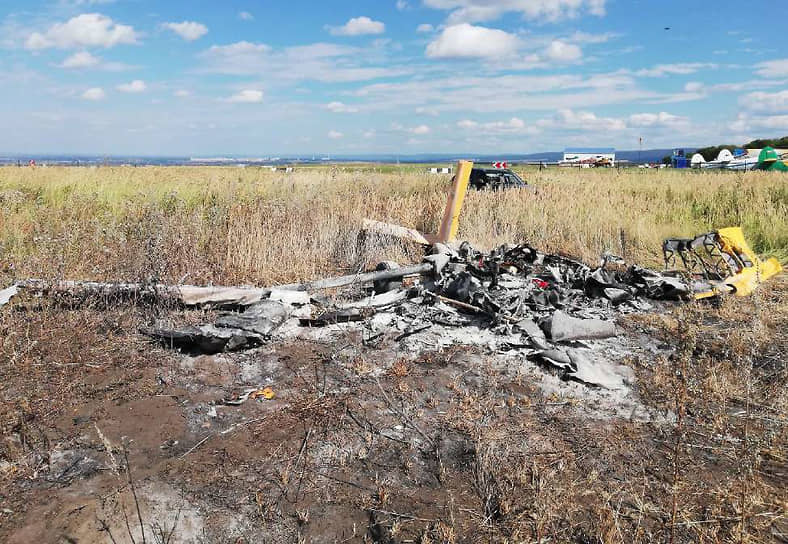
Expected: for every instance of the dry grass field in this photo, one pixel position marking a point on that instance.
(93, 416)
(253, 226)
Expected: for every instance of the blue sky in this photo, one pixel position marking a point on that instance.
(387, 76)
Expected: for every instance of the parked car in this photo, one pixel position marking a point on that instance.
(495, 179)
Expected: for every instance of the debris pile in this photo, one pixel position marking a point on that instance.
(543, 304)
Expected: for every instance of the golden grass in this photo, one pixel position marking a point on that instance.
(230, 225)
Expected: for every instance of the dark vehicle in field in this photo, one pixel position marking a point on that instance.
(495, 179)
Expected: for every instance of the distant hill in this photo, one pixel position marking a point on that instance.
(644, 156)
(633, 156)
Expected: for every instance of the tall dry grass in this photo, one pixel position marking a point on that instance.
(229, 225)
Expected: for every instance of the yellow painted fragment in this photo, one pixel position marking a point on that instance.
(451, 216)
(754, 271)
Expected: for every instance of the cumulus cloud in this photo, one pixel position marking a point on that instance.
(133, 87)
(402, 5)
(340, 107)
(766, 102)
(245, 16)
(94, 94)
(661, 119)
(513, 93)
(681, 68)
(772, 68)
(472, 11)
(559, 51)
(568, 119)
(83, 59)
(78, 3)
(188, 30)
(466, 124)
(582, 120)
(468, 41)
(358, 26)
(86, 30)
(319, 61)
(246, 96)
(335, 135)
(746, 123)
(515, 125)
(425, 27)
(237, 50)
(585, 37)
(421, 129)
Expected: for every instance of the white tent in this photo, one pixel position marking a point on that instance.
(725, 156)
(697, 160)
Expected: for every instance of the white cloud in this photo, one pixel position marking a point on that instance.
(133, 87)
(78, 3)
(544, 10)
(770, 103)
(325, 62)
(563, 52)
(83, 59)
(586, 121)
(402, 5)
(432, 112)
(661, 119)
(247, 96)
(188, 30)
(510, 93)
(466, 124)
(245, 16)
(335, 135)
(772, 68)
(582, 120)
(238, 50)
(86, 30)
(748, 124)
(468, 41)
(512, 124)
(585, 37)
(94, 94)
(182, 93)
(681, 68)
(749, 85)
(339, 107)
(358, 26)
(515, 125)
(425, 27)
(421, 129)
(693, 87)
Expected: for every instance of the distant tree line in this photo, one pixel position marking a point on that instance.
(710, 153)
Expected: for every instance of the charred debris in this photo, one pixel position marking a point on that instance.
(541, 304)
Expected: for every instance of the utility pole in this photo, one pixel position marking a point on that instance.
(640, 149)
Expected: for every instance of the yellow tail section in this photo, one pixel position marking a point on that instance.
(753, 270)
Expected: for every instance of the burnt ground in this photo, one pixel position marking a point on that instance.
(105, 432)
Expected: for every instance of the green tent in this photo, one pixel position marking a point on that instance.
(768, 160)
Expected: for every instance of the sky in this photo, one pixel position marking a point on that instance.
(296, 77)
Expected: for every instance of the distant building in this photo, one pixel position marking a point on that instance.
(589, 156)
